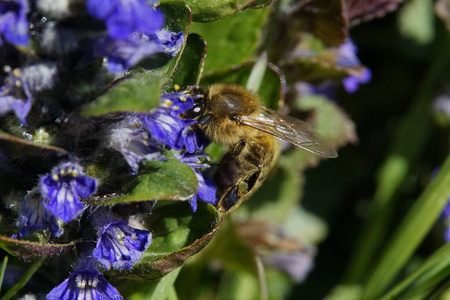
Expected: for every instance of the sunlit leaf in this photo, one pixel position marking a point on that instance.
(213, 10)
(177, 234)
(138, 92)
(157, 180)
(232, 41)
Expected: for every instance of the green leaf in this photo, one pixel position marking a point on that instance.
(25, 278)
(416, 224)
(3, 270)
(157, 290)
(190, 67)
(229, 248)
(232, 41)
(157, 180)
(416, 20)
(18, 147)
(31, 250)
(177, 234)
(239, 285)
(138, 92)
(434, 264)
(213, 10)
(178, 18)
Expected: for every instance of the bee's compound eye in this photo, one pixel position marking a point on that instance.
(193, 113)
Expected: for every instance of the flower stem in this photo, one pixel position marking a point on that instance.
(25, 278)
(416, 224)
(407, 146)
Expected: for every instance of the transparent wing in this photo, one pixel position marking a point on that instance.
(289, 129)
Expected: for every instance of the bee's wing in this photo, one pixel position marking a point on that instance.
(289, 129)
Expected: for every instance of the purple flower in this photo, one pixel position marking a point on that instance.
(134, 144)
(84, 283)
(206, 187)
(347, 58)
(171, 41)
(119, 246)
(124, 54)
(13, 21)
(352, 83)
(62, 189)
(167, 128)
(15, 96)
(122, 18)
(34, 217)
(297, 264)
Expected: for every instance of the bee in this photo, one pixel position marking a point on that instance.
(234, 117)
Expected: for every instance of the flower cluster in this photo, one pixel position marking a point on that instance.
(58, 198)
(80, 158)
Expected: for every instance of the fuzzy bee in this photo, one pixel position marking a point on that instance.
(234, 117)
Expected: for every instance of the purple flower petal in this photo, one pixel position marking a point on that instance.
(296, 264)
(119, 245)
(15, 96)
(84, 283)
(167, 128)
(122, 18)
(13, 21)
(62, 189)
(206, 187)
(34, 217)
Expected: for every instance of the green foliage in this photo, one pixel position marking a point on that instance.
(178, 18)
(190, 67)
(157, 180)
(270, 48)
(177, 235)
(233, 40)
(137, 93)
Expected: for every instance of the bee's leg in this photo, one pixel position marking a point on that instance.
(233, 197)
(237, 150)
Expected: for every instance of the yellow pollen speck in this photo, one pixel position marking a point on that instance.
(16, 73)
(175, 107)
(55, 177)
(176, 87)
(183, 99)
(168, 103)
